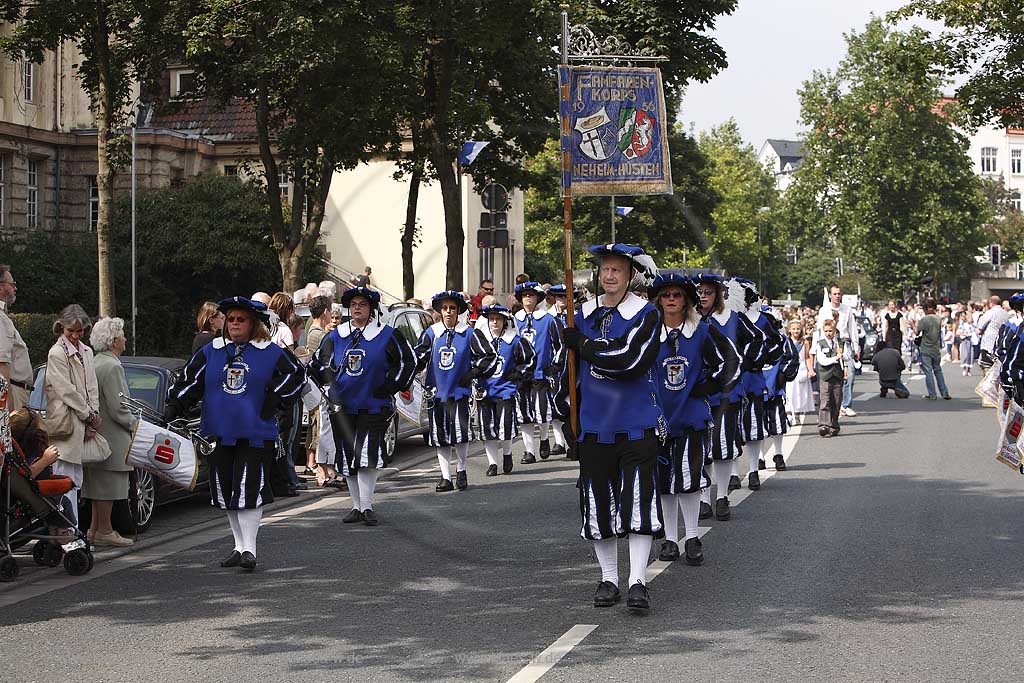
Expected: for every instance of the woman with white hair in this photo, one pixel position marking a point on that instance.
(72, 397)
(107, 481)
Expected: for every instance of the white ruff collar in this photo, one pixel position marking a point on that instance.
(723, 317)
(628, 309)
(508, 336)
(537, 315)
(753, 316)
(687, 329)
(369, 332)
(440, 329)
(221, 342)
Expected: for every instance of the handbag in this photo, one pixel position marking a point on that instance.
(95, 450)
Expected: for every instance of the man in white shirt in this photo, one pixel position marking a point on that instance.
(14, 361)
(847, 329)
(988, 328)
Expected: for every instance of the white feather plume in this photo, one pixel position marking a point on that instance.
(736, 296)
(648, 270)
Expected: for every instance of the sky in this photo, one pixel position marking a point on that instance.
(772, 47)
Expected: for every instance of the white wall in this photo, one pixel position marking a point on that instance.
(363, 225)
(1004, 142)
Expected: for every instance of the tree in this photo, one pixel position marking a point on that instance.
(985, 42)
(748, 193)
(886, 175)
(672, 228)
(321, 77)
(122, 43)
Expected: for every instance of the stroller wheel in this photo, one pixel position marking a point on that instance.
(78, 562)
(8, 569)
(39, 552)
(52, 554)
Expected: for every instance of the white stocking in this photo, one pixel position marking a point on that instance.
(776, 446)
(462, 451)
(544, 427)
(722, 469)
(354, 491)
(249, 525)
(607, 551)
(753, 450)
(556, 432)
(705, 495)
(491, 448)
(506, 447)
(367, 478)
(529, 440)
(639, 554)
(670, 513)
(689, 505)
(236, 530)
(443, 454)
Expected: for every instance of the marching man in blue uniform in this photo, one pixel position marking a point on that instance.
(363, 363)
(515, 359)
(776, 376)
(543, 332)
(620, 423)
(557, 418)
(695, 360)
(726, 443)
(242, 378)
(453, 356)
(746, 302)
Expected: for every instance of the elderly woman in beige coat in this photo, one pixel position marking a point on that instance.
(107, 481)
(72, 397)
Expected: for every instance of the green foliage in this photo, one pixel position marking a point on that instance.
(983, 41)
(51, 271)
(37, 332)
(670, 227)
(886, 175)
(748, 193)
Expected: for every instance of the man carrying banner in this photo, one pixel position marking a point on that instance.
(620, 422)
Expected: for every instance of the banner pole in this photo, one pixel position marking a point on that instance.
(570, 305)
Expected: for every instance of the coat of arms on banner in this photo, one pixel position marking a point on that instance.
(234, 378)
(354, 362)
(164, 451)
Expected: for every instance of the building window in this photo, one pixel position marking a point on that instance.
(988, 159)
(1015, 161)
(231, 171)
(94, 203)
(282, 182)
(791, 254)
(1015, 200)
(28, 71)
(32, 199)
(183, 83)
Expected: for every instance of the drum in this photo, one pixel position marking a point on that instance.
(164, 453)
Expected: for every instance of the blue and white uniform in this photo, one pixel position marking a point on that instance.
(543, 332)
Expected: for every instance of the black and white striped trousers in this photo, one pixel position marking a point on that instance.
(682, 465)
(752, 418)
(775, 421)
(619, 487)
(449, 422)
(359, 440)
(535, 405)
(725, 432)
(499, 420)
(240, 476)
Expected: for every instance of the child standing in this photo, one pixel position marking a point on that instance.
(830, 355)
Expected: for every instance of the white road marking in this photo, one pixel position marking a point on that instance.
(543, 662)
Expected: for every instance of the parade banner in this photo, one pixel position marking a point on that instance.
(617, 133)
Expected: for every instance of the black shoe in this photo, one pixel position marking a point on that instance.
(352, 517)
(705, 511)
(528, 459)
(545, 449)
(824, 432)
(734, 483)
(638, 598)
(370, 518)
(780, 463)
(761, 465)
(301, 487)
(288, 493)
(722, 509)
(492, 470)
(461, 481)
(444, 485)
(558, 449)
(947, 397)
(232, 560)
(694, 552)
(607, 594)
(506, 463)
(248, 561)
(669, 552)
(883, 393)
(754, 481)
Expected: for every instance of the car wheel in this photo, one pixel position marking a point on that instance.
(142, 499)
(391, 440)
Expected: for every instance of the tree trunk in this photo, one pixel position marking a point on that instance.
(104, 170)
(409, 232)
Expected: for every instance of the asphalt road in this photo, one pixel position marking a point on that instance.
(889, 552)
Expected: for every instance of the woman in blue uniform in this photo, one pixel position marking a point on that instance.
(363, 363)
(515, 359)
(620, 422)
(753, 429)
(558, 292)
(453, 356)
(242, 379)
(776, 377)
(543, 332)
(695, 360)
(726, 444)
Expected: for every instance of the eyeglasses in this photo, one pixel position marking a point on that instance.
(8, 282)
(706, 292)
(236, 318)
(487, 289)
(671, 295)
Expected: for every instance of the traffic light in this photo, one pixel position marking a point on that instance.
(995, 255)
(839, 266)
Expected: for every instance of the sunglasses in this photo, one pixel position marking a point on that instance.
(237, 318)
(488, 289)
(706, 292)
(671, 295)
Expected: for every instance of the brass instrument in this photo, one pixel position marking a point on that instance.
(180, 425)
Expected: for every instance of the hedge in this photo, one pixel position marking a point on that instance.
(37, 331)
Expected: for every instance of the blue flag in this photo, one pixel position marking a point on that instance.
(470, 150)
(623, 210)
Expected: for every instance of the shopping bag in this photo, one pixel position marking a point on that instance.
(989, 387)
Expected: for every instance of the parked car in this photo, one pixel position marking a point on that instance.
(148, 380)
(868, 339)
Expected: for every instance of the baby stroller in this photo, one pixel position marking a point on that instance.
(21, 524)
